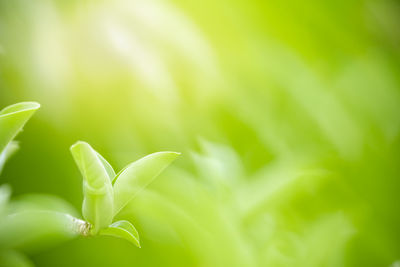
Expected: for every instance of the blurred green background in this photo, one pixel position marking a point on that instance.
(287, 114)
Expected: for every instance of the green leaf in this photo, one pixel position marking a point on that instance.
(34, 230)
(97, 206)
(137, 175)
(10, 149)
(42, 202)
(123, 229)
(107, 166)
(12, 119)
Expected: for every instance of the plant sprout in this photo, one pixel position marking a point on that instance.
(36, 221)
(106, 193)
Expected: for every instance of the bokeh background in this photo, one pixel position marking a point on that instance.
(287, 114)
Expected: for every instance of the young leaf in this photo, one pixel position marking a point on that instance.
(137, 175)
(12, 119)
(97, 205)
(123, 229)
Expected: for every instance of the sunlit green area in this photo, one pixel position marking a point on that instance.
(287, 115)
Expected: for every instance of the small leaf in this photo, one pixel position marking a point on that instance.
(97, 205)
(123, 229)
(137, 175)
(12, 119)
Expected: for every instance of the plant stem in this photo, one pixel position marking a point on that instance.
(80, 227)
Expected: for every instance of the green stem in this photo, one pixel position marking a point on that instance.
(80, 227)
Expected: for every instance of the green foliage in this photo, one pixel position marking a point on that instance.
(34, 222)
(296, 104)
(31, 222)
(102, 200)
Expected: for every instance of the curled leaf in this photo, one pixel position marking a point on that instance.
(123, 229)
(137, 175)
(97, 205)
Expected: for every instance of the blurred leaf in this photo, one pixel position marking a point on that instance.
(137, 175)
(13, 118)
(34, 230)
(42, 202)
(97, 189)
(9, 150)
(123, 229)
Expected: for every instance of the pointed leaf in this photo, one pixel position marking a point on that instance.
(12, 119)
(97, 206)
(123, 229)
(136, 176)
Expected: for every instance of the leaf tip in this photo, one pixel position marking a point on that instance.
(34, 105)
(28, 105)
(172, 154)
(78, 144)
(22, 107)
